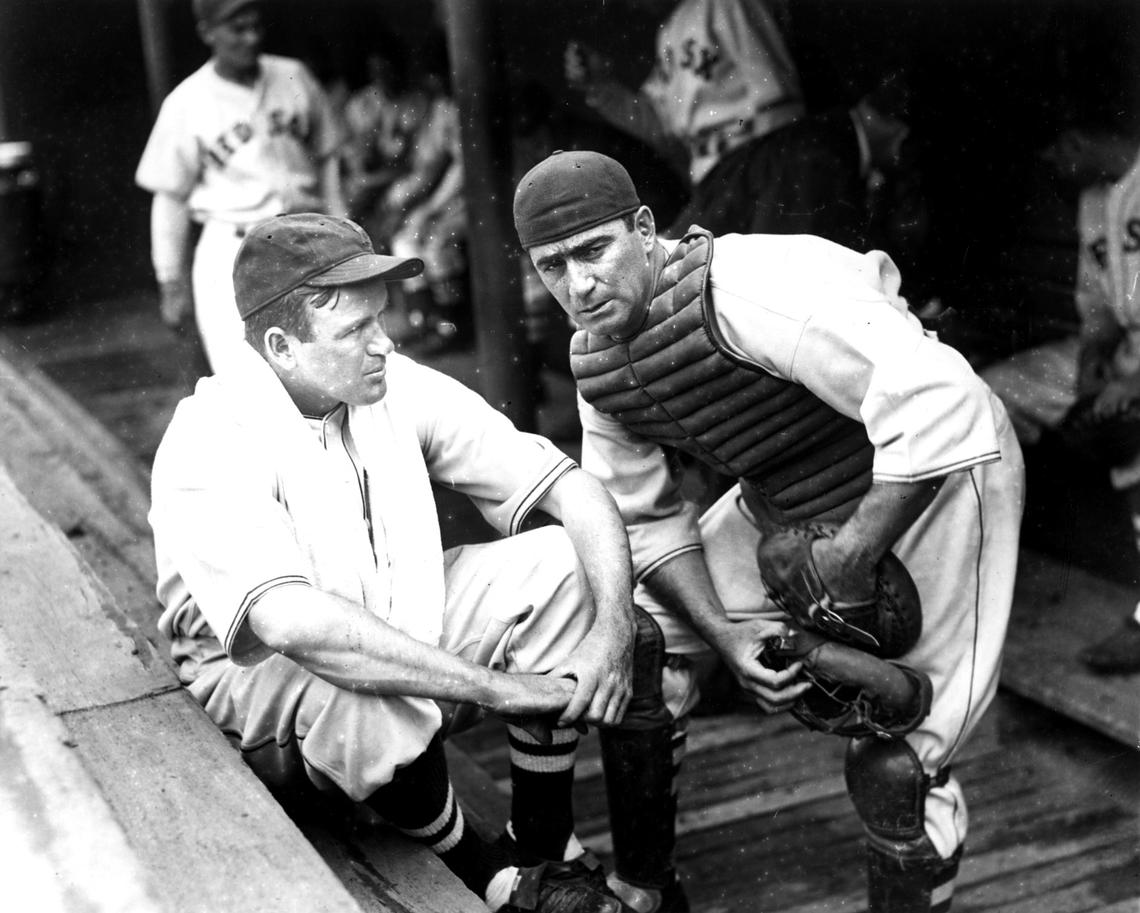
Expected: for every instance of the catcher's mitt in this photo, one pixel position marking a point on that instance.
(886, 626)
(853, 694)
(1109, 440)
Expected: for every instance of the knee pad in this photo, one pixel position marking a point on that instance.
(647, 705)
(888, 788)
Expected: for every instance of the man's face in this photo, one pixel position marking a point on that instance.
(236, 41)
(345, 359)
(602, 277)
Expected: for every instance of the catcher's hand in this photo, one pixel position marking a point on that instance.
(853, 693)
(887, 625)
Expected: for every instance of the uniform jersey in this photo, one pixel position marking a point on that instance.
(721, 77)
(247, 499)
(242, 153)
(1115, 267)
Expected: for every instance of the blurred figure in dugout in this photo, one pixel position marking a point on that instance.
(1094, 373)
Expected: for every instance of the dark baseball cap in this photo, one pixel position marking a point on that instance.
(212, 12)
(569, 192)
(283, 253)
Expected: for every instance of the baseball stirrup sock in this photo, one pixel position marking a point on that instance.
(420, 802)
(542, 778)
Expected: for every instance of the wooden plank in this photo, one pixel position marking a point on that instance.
(385, 871)
(61, 847)
(1058, 608)
(171, 779)
(195, 814)
(53, 615)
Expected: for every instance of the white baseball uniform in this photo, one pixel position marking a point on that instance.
(814, 313)
(721, 76)
(249, 495)
(236, 154)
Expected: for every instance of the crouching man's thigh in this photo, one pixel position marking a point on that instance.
(294, 729)
(519, 604)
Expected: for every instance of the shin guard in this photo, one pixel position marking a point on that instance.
(888, 787)
(637, 756)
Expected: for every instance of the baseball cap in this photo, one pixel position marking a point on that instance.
(214, 11)
(569, 192)
(285, 252)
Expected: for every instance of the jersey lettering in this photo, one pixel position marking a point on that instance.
(1130, 243)
(1132, 239)
(281, 123)
(697, 59)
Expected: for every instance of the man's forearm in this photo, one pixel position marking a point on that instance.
(169, 238)
(349, 647)
(887, 511)
(683, 585)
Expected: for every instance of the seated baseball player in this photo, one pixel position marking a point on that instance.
(1087, 385)
(875, 508)
(312, 609)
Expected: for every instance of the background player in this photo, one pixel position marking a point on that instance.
(246, 136)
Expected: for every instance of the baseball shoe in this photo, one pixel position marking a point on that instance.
(1118, 654)
(585, 869)
(544, 888)
(671, 899)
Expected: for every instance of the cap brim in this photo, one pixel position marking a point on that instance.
(368, 266)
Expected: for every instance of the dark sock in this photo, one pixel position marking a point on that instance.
(542, 778)
(421, 803)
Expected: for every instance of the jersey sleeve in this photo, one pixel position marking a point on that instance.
(328, 134)
(749, 35)
(170, 161)
(646, 484)
(843, 331)
(474, 449)
(222, 541)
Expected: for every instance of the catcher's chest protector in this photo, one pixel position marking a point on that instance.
(677, 384)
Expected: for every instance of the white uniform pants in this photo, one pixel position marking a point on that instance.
(215, 309)
(288, 723)
(962, 554)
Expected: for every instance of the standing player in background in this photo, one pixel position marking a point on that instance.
(723, 103)
(721, 79)
(246, 136)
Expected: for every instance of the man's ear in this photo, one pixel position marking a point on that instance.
(278, 348)
(645, 226)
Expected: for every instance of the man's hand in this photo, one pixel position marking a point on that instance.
(522, 695)
(602, 666)
(740, 645)
(583, 66)
(176, 302)
(1117, 396)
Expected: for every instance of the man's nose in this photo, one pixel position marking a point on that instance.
(380, 344)
(580, 281)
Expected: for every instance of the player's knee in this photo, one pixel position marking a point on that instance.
(888, 787)
(647, 705)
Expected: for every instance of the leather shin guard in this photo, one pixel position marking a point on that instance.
(637, 757)
(888, 787)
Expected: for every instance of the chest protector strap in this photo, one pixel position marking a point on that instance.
(677, 383)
